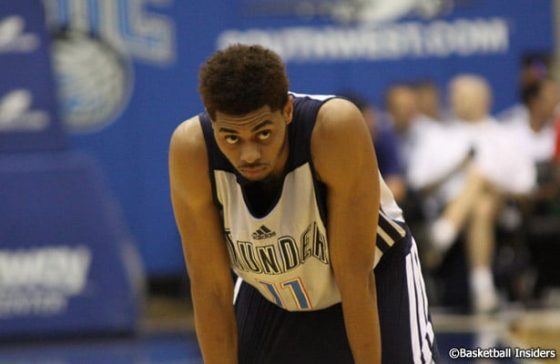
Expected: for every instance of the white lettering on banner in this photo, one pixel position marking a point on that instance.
(438, 39)
(146, 36)
(41, 280)
(43, 303)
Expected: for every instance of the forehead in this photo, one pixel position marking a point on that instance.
(245, 121)
(401, 95)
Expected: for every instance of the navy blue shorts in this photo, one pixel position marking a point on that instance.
(268, 334)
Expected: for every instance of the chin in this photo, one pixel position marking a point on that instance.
(256, 177)
(252, 178)
(264, 178)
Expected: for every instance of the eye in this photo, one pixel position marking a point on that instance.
(231, 139)
(264, 135)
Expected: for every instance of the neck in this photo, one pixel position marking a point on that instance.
(281, 163)
(535, 122)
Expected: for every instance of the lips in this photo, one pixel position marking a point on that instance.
(253, 171)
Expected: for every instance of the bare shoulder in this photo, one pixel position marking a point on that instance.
(337, 120)
(188, 160)
(337, 115)
(340, 135)
(187, 139)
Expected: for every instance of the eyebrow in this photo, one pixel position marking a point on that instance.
(257, 127)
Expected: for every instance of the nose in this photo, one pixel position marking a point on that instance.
(250, 153)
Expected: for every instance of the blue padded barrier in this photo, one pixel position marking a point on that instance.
(67, 262)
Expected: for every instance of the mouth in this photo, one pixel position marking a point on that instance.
(253, 172)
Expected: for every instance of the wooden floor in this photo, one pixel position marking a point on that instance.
(511, 328)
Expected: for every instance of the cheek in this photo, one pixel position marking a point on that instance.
(280, 141)
(228, 151)
(271, 150)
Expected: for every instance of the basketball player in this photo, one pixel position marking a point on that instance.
(284, 189)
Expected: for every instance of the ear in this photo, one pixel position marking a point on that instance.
(288, 110)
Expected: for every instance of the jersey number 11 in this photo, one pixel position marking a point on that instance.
(296, 288)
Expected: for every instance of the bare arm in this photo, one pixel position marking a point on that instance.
(345, 161)
(203, 245)
(397, 185)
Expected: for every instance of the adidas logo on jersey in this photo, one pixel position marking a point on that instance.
(263, 233)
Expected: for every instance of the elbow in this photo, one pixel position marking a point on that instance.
(212, 289)
(357, 278)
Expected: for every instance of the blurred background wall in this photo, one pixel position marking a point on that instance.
(127, 71)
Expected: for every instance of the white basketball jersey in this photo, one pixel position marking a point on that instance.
(284, 252)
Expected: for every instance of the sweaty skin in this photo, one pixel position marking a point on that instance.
(255, 144)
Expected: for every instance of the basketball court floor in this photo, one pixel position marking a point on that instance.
(166, 336)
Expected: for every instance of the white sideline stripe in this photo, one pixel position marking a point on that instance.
(416, 353)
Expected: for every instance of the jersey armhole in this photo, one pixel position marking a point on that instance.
(207, 131)
(306, 113)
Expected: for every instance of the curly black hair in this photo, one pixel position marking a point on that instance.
(243, 78)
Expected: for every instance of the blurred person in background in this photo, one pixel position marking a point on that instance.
(469, 166)
(412, 113)
(557, 148)
(428, 101)
(385, 144)
(401, 112)
(402, 117)
(533, 123)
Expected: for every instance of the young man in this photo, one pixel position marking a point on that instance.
(284, 189)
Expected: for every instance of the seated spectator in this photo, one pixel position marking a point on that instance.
(557, 147)
(428, 102)
(534, 123)
(533, 120)
(401, 114)
(468, 166)
(411, 112)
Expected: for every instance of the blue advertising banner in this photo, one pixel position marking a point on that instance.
(28, 115)
(128, 70)
(67, 262)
